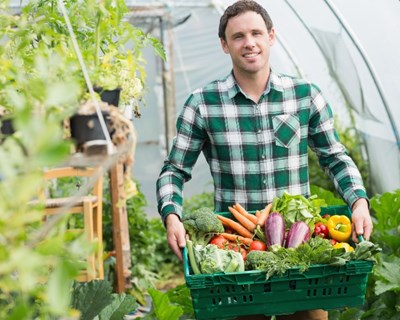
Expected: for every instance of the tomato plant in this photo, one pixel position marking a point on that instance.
(258, 245)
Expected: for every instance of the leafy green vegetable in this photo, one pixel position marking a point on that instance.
(210, 259)
(366, 250)
(316, 251)
(298, 208)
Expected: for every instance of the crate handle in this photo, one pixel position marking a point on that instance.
(185, 262)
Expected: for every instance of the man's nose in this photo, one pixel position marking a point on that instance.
(249, 42)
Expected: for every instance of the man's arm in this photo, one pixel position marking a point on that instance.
(333, 157)
(177, 169)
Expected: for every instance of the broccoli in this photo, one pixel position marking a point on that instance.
(201, 225)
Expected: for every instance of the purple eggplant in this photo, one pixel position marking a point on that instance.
(298, 233)
(275, 229)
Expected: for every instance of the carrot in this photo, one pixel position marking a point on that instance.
(235, 226)
(264, 215)
(243, 211)
(258, 214)
(235, 237)
(244, 221)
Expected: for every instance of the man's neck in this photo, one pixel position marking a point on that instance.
(252, 84)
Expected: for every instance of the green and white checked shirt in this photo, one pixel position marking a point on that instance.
(256, 151)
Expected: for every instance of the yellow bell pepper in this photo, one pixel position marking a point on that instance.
(339, 227)
(344, 245)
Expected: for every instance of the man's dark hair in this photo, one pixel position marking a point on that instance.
(238, 8)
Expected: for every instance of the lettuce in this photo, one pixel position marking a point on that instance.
(298, 208)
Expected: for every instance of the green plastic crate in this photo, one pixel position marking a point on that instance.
(223, 296)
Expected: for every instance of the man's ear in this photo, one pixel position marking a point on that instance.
(224, 45)
(271, 36)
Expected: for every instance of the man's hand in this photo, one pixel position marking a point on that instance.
(361, 220)
(175, 234)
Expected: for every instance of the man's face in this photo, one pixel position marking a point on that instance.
(248, 43)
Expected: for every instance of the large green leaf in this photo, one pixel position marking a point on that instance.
(120, 306)
(386, 209)
(388, 275)
(91, 297)
(163, 308)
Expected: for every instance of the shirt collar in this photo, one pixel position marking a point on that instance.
(274, 83)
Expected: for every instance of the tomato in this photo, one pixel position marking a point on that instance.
(220, 241)
(258, 245)
(333, 241)
(321, 230)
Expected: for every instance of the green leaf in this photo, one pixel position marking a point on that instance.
(180, 295)
(388, 275)
(91, 297)
(163, 309)
(57, 295)
(120, 306)
(386, 209)
(328, 196)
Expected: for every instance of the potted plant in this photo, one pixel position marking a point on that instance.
(111, 49)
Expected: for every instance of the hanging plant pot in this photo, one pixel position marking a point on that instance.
(86, 128)
(7, 127)
(109, 96)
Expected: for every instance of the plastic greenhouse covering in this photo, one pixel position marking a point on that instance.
(350, 49)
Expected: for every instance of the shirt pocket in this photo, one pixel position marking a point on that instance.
(286, 130)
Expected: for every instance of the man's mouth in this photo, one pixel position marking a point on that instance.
(250, 55)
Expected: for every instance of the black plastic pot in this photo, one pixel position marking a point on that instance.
(109, 96)
(85, 128)
(7, 127)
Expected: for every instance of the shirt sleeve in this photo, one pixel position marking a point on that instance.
(186, 148)
(332, 155)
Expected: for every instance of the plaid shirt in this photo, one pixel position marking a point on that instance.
(256, 151)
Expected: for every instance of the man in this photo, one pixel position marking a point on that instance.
(254, 127)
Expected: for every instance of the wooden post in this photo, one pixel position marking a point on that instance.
(120, 229)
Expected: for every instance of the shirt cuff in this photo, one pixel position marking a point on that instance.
(168, 209)
(352, 197)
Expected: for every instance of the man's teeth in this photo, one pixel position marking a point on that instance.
(250, 55)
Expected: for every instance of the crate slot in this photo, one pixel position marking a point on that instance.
(267, 287)
(327, 291)
(216, 301)
(248, 299)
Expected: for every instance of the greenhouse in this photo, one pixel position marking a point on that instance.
(80, 215)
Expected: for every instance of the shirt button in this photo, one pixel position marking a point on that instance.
(265, 181)
(263, 157)
(259, 131)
